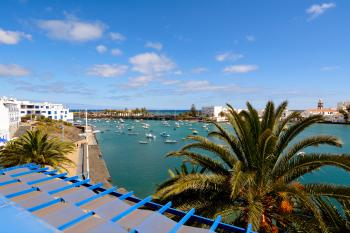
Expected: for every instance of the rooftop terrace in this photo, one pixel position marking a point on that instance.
(35, 199)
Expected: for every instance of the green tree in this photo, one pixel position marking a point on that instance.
(346, 113)
(193, 110)
(37, 147)
(252, 172)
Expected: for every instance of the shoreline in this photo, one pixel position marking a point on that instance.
(97, 165)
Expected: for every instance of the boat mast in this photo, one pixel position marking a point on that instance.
(87, 147)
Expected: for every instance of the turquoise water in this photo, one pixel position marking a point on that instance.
(140, 167)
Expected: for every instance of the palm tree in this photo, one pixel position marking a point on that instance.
(252, 174)
(37, 147)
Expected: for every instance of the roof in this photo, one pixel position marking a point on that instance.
(43, 200)
(322, 110)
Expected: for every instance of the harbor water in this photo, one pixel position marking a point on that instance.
(138, 163)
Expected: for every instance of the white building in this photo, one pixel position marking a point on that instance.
(215, 112)
(329, 114)
(9, 117)
(49, 110)
(4, 123)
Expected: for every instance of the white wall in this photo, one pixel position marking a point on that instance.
(4, 122)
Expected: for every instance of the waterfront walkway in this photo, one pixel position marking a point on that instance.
(97, 166)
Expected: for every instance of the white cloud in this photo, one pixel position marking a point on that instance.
(154, 45)
(72, 29)
(107, 70)
(170, 82)
(101, 48)
(178, 72)
(228, 56)
(318, 9)
(140, 81)
(199, 70)
(250, 38)
(329, 68)
(116, 52)
(151, 64)
(12, 37)
(240, 68)
(206, 86)
(117, 36)
(7, 70)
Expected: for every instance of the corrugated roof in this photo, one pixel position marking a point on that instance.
(57, 203)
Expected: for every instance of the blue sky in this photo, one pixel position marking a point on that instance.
(170, 54)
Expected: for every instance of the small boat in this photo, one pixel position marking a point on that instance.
(96, 131)
(133, 133)
(130, 128)
(195, 132)
(121, 120)
(164, 134)
(143, 142)
(168, 141)
(149, 135)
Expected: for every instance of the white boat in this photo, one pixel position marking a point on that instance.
(143, 142)
(164, 134)
(151, 136)
(195, 132)
(170, 141)
(121, 120)
(96, 131)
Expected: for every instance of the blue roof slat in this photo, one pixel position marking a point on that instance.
(216, 223)
(17, 167)
(29, 172)
(190, 216)
(95, 186)
(68, 186)
(44, 205)
(9, 182)
(131, 209)
(249, 228)
(22, 192)
(89, 199)
(46, 179)
(182, 221)
(126, 195)
(71, 178)
(75, 221)
(50, 172)
(165, 207)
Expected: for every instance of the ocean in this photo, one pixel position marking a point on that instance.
(141, 167)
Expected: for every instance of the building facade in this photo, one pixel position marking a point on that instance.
(215, 113)
(49, 110)
(329, 114)
(10, 110)
(4, 123)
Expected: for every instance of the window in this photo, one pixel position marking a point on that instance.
(36, 106)
(47, 107)
(23, 111)
(49, 112)
(55, 112)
